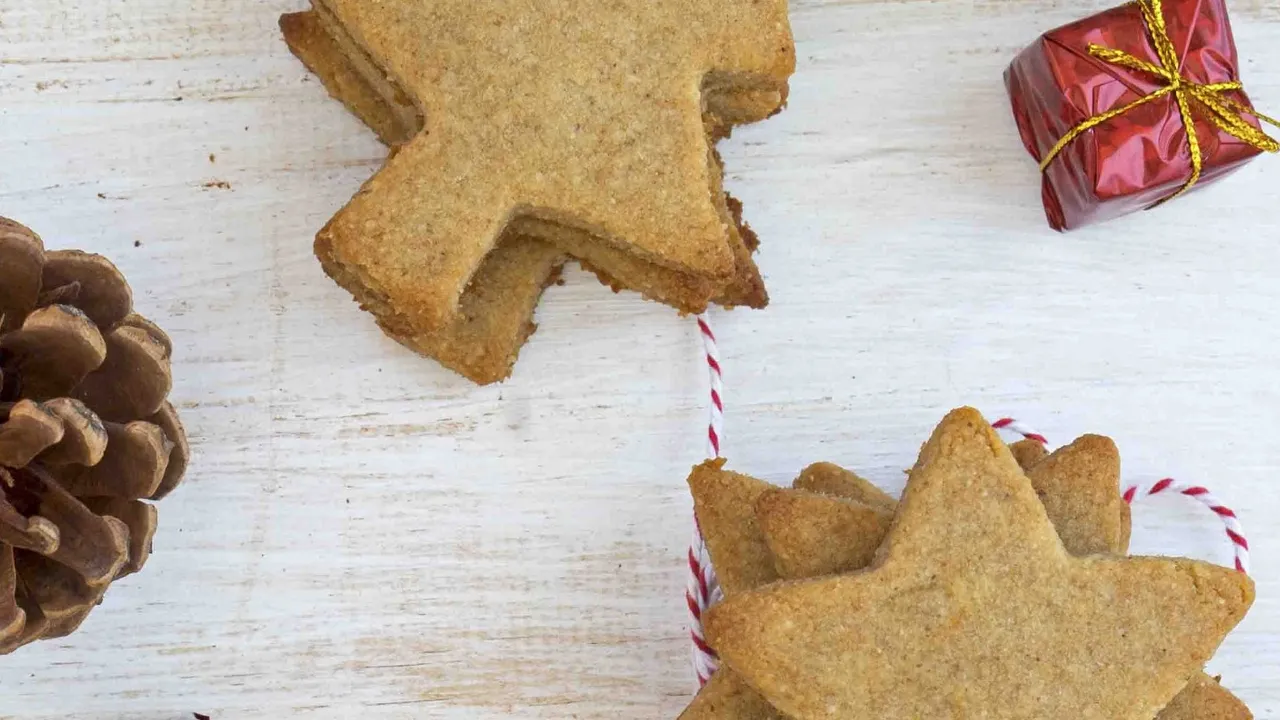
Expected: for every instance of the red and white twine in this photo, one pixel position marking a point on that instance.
(715, 423)
(1230, 523)
(703, 590)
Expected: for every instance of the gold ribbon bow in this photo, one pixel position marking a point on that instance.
(1221, 111)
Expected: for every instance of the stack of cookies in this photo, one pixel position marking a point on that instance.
(998, 587)
(528, 133)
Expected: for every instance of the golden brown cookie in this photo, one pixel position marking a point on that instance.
(408, 116)
(316, 48)
(1126, 526)
(972, 589)
(367, 91)
(1205, 699)
(830, 479)
(494, 319)
(724, 504)
(623, 271)
(496, 316)
(1028, 452)
(821, 542)
(728, 697)
(583, 116)
(812, 535)
(1079, 486)
(495, 313)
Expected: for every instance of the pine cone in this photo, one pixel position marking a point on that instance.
(86, 435)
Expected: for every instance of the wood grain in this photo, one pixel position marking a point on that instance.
(364, 534)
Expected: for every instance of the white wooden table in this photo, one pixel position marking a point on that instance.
(366, 535)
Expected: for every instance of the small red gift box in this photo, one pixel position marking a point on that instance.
(1105, 105)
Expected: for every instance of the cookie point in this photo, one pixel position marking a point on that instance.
(706, 470)
(1100, 444)
(707, 480)
(964, 414)
(290, 21)
(967, 423)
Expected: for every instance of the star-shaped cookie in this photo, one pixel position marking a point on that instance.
(581, 123)
(494, 317)
(976, 607)
(834, 521)
(812, 536)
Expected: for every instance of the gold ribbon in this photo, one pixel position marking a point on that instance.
(1221, 111)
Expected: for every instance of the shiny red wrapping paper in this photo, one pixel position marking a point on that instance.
(1142, 157)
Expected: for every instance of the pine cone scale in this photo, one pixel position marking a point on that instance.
(133, 382)
(22, 257)
(92, 545)
(62, 594)
(132, 468)
(142, 521)
(168, 421)
(84, 438)
(29, 430)
(135, 320)
(36, 620)
(12, 618)
(103, 295)
(27, 533)
(57, 347)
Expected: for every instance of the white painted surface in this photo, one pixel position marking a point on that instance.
(364, 534)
